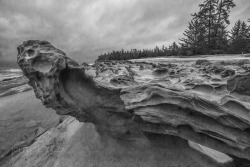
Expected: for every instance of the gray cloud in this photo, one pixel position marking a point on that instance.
(84, 29)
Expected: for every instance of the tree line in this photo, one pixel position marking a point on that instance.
(206, 33)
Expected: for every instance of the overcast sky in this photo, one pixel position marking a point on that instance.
(83, 29)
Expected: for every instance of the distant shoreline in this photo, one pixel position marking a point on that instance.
(199, 56)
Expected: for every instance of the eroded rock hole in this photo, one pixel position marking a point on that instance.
(30, 52)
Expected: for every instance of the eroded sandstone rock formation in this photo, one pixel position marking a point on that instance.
(207, 110)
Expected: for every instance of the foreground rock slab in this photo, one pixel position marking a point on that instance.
(165, 106)
(77, 144)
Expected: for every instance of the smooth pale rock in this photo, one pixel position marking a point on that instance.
(30, 124)
(158, 106)
(216, 155)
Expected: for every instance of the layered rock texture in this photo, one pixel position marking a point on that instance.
(205, 102)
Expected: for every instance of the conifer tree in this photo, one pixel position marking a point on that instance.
(221, 41)
(206, 16)
(194, 37)
(222, 13)
(239, 38)
(214, 15)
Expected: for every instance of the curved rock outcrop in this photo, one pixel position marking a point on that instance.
(240, 84)
(128, 113)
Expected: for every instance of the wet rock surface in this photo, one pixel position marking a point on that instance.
(206, 102)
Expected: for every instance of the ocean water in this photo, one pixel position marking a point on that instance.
(9, 73)
(9, 70)
(12, 80)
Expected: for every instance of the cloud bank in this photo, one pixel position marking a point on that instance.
(85, 29)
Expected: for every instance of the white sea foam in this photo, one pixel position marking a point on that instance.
(13, 70)
(9, 73)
